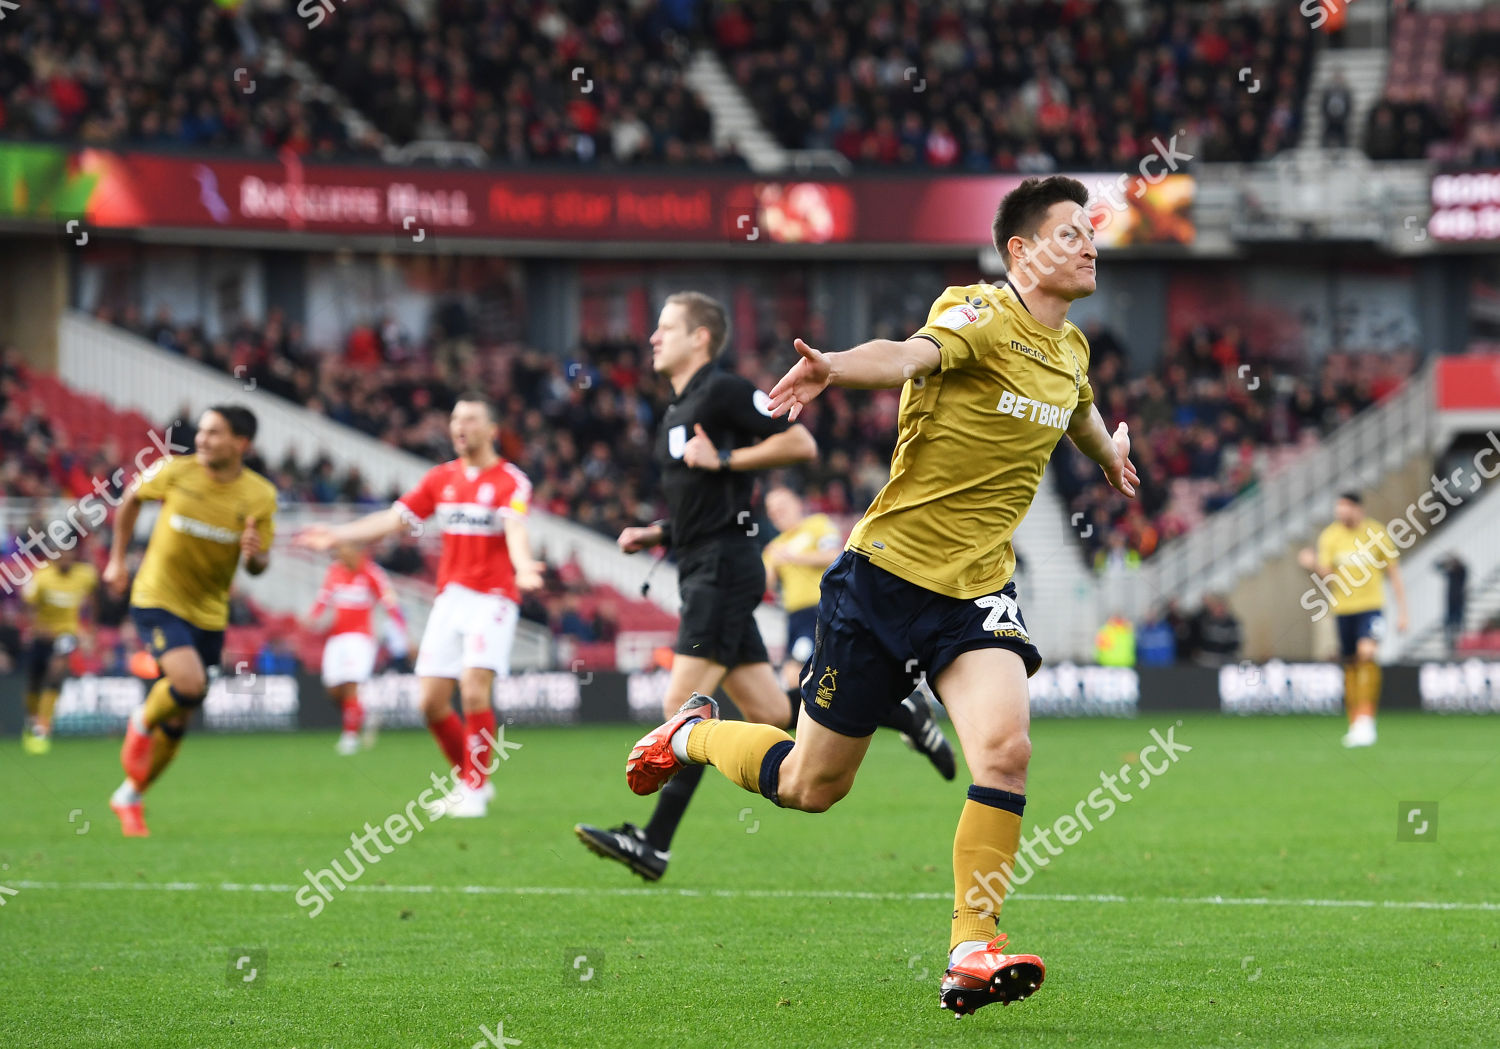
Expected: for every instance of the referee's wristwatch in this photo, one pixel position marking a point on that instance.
(724, 454)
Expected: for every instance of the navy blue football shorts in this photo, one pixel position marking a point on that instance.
(877, 633)
(1356, 626)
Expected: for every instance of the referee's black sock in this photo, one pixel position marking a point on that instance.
(670, 808)
(903, 718)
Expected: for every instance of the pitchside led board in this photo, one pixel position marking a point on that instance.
(105, 189)
(278, 703)
(1465, 206)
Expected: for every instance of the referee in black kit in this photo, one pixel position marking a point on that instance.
(716, 432)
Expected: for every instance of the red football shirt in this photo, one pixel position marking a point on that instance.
(471, 506)
(352, 594)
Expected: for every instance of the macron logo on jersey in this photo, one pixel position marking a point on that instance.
(1040, 412)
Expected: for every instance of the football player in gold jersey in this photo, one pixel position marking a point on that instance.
(58, 594)
(989, 386)
(1354, 556)
(214, 512)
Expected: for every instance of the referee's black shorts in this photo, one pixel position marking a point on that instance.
(721, 583)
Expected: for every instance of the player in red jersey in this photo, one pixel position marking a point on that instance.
(353, 586)
(480, 501)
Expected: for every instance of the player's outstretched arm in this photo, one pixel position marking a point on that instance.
(879, 364)
(365, 529)
(1111, 452)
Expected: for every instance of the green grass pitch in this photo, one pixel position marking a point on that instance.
(1254, 895)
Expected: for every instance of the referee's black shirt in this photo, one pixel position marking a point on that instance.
(704, 504)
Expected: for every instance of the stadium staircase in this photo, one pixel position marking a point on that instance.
(1364, 71)
(1471, 533)
(1055, 584)
(1292, 504)
(734, 118)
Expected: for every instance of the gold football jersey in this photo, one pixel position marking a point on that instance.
(973, 439)
(195, 545)
(1358, 584)
(59, 595)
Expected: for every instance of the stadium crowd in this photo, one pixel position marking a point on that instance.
(561, 83)
(154, 73)
(1004, 87)
(1442, 92)
(1033, 88)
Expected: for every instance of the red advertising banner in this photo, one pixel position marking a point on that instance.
(127, 190)
(1468, 383)
(1465, 206)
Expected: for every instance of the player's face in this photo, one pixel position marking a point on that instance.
(1348, 513)
(348, 554)
(783, 508)
(1062, 257)
(215, 443)
(672, 344)
(471, 428)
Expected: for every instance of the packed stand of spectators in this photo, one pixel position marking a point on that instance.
(156, 73)
(1208, 437)
(500, 74)
(1016, 87)
(1442, 92)
(541, 81)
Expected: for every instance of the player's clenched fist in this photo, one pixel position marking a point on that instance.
(250, 545)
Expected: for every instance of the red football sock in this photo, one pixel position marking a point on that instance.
(354, 714)
(481, 729)
(450, 737)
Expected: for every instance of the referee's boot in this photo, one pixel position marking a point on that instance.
(923, 735)
(625, 844)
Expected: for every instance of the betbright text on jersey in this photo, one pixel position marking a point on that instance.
(471, 506)
(973, 439)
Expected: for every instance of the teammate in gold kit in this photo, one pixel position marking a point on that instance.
(795, 560)
(1353, 558)
(990, 385)
(58, 593)
(214, 511)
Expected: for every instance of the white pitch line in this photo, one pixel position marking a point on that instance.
(756, 894)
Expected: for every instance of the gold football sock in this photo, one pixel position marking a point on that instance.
(1371, 690)
(1352, 684)
(33, 703)
(984, 855)
(45, 708)
(163, 750)
(159, 704)
(736, 748)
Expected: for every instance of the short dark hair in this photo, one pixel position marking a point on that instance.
(1022, 209)
(1353, 497)
(241, 420)
(704, 311)
(477, 397)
